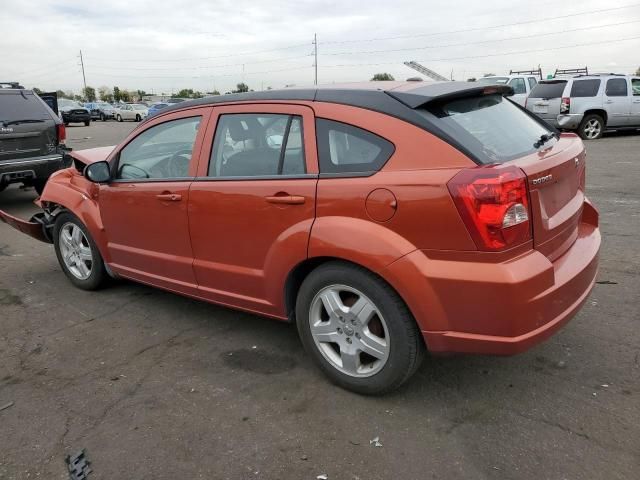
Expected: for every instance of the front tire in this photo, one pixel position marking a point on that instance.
(138, 118)
(357, 329)
(102, 117)
(87, 123)
(591, 127)
(119, 118)
(77, 253)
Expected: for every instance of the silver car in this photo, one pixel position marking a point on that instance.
(589, 104)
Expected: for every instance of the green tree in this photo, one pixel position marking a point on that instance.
(62, 94)
(124, 95)
(382, 77)
(241, 88)
(140, 94)
(105, 93)
(116, 94)
(89, 94)
(184, 93)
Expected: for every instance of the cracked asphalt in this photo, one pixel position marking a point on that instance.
(157, 386)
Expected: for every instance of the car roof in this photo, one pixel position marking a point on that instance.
(385, 97)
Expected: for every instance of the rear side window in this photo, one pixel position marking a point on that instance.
(532, 82)
(257, 144)
(616, 87)
(635, 86)
(343, 148)
(518, 85)
(489, 126)
(585, 88)
(548, 89)
(14, 107)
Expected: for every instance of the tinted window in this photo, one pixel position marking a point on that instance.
(616, 87)
(518, 85)
(345, 148)
(492, 128)
(162, 151)
(16, 107)
(585, 88)
(548, 89)
(252, 145)
(532, 82)
(635, 86)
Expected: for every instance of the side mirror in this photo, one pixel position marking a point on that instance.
(98, 172)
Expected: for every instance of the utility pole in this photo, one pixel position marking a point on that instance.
(84, 79)
(315, 54)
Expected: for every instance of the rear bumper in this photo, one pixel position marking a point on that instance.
(76, 117)
(25, 169)
(499, 308)
(570, 121)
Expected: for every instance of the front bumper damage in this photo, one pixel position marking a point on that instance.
(40, 226)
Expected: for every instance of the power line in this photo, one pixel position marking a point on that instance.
(475, 42)
(476, 29)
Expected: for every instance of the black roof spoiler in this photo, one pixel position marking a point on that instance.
(420, 96)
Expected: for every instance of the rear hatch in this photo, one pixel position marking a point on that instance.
(495, 132)
(27, 128)
(545, 98)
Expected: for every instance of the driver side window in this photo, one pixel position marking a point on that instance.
(160, 152)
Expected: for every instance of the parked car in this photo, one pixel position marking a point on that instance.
(156, 107)
(100, 111)
(380, 219)
(31, 139)
(131, 111)
(588, 104)
(521, 84)
(71, 111)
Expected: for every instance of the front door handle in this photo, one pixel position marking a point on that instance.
(285, 199)
(169, 197)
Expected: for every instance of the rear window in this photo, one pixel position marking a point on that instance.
(490, 127)
(585, 88)
(14, 106)
(548, 89)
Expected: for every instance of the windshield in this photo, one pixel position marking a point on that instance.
(552, 89)
(490, 126)
(493, 80)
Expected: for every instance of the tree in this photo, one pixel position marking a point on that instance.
(215, 92)
(184, 93)
(116, 94)
(124, 95)
(105, 94)
(241, 88)
(61, 94)
(382, 77)
(140, 93)
(89, 93)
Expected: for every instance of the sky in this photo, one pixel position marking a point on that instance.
(162, 46)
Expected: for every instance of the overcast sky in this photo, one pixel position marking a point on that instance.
(163, 46)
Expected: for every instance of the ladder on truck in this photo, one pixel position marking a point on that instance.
(426, 71)
(569, 72)
(537, 72)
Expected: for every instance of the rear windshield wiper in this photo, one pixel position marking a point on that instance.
(17, 122)
(544, 138)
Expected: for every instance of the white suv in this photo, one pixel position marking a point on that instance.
(589, 104)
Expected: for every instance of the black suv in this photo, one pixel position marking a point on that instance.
(31, 138)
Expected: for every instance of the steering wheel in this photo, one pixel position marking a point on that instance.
(178, 163)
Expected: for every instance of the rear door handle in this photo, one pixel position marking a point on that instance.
(285, 199)
(609, 101)
(169, 197)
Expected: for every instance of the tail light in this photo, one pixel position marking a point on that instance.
(62, 132)
(494, 205)
(565, 105)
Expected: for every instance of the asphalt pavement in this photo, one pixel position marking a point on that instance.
(156, 386)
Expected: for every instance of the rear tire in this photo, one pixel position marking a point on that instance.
(102, 117)
(87, 123)
(367, 316)
(77, 253)
(119, 118)
(591, 127)
(138, 118)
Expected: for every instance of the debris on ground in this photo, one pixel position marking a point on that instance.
(78, 465)
(324, 476)
(606, 282)
(304, 457)
(375, 442)
(6, 405)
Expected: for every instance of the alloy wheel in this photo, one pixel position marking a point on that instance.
(592, 129)
(349, 331)
(76, 251)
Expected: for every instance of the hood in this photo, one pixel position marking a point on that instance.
(81, 158)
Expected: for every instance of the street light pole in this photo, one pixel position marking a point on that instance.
(315, 54)
(84, 79)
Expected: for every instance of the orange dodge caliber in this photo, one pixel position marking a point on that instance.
(384, 219)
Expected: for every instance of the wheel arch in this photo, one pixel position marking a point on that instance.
(598, 111)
